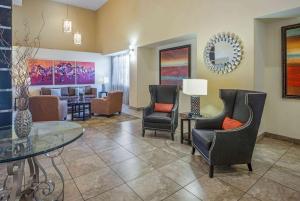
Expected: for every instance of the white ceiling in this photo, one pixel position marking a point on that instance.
(88, 4)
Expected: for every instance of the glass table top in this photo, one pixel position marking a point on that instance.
(44, 137)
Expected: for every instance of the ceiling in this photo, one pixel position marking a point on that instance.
(88, 4)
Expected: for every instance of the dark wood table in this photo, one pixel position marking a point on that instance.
(80, 109)
(184, 117)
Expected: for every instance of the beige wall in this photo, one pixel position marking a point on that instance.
(281, 115)
(52, 35)
(122, 22)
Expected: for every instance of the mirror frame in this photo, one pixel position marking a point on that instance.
(236, 44)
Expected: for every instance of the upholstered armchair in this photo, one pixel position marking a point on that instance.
(164, 121)
(234, 146)
(108, 105)
(48, 108)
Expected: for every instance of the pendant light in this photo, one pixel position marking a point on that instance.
(67, 26)
(77, 38)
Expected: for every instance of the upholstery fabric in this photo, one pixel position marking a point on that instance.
(166, 94)
(108, 105)
(229, 123)
(64, 91)
(163, 107)
(72, 91)
(47, 108)
(56, 92)
(87, 90)
(231, 146)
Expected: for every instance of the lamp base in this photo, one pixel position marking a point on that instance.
(195, 107)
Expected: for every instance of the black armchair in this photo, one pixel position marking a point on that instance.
(159, 120)
(235, 146)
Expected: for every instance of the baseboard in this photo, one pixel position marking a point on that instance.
(260, 137)
(279, 137)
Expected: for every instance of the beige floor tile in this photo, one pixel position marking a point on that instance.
(294, 152)
(54, 176)
(126, 139)
(154, 186)
(102, 145)
(139, 148)
(242, 180)
(181, 172)
(158, 158)
(132, 168)
(207, 188)
(95, 183)
(115, 155)
(290, 164)
(85, 165)
(76, 152)
(268, 190)
(121, 193)
(182, 195)
(285, 177)
(259, 166)
(247, 197)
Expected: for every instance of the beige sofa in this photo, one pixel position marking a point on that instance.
(48, 108)
(108, 105)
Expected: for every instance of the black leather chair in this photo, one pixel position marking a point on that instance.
(235, 146)
(158, 120)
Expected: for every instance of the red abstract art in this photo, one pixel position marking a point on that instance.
(40, 72)
(64, 72)
(175, 65)
(85, 72)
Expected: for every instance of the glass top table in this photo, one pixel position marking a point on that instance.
(46, 138)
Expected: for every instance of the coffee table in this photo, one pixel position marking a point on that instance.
(46, 138)
(80, 109)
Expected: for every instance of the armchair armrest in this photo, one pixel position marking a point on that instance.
(214, 123)
(147, 110)
(232, 146)
(174, 111)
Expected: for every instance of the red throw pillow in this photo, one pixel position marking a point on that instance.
(229, 123)
(163, 107)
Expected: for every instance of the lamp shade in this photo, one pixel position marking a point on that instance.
(195, 87)
(104, 80)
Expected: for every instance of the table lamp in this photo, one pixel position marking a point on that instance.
(103, 81)
(195, 88)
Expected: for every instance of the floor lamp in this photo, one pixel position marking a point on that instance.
(195, 88)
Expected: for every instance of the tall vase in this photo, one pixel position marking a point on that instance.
(23, 120)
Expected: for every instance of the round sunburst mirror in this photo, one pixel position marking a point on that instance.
(223, 53)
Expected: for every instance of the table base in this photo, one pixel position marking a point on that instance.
(35, 188)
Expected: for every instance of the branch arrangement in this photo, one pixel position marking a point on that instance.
(24, 50)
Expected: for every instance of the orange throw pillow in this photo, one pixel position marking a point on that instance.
(163, 107)
(229, 123)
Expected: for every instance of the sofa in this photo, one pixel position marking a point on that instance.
(108, 105)
(48, 108)
(70, 93)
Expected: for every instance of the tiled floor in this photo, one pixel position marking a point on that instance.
(114, 163)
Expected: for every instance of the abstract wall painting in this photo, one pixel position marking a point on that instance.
(291, 61)
(85, 73)
(64, 72)
(174, 65)
(40, 72)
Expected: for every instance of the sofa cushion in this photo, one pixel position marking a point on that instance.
(71, 91)
(64, 91)
(158, 117)
(45, 91)
(88, 90)
(203, 138)
(56, 92)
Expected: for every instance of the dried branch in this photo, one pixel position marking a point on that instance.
(24, 50)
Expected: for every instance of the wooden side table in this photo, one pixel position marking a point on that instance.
(186, 118)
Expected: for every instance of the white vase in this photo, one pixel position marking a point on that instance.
(23, 123)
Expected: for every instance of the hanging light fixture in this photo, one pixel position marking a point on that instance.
(67, 26)
(77, 38)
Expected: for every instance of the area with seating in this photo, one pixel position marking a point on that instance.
(149, 100)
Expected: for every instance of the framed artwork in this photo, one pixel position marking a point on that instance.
(40, 72)
(174, 65)
(291, 61)
(85, 73)
(64, 72)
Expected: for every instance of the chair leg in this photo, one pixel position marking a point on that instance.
(211, 171)
(154, 132)
(249, 167)
(172, 135)
(143, 134)
(193, 150)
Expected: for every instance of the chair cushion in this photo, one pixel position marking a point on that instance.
(163, 107)
(229, 123)
(64, 91)
(203, 138)
(158, 117)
